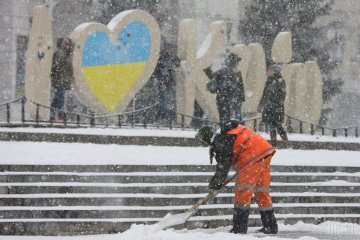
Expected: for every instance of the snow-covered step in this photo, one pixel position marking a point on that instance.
(168, 188)
(166, 207)
(163, 168)
(49, 226)
(153, 200)
(160, 211)
(144, 220)
(163, 177)
(102, 199)
(149, 199)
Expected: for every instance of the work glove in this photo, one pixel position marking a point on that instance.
(214, 185)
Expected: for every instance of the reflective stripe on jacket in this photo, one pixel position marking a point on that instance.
(249, 147)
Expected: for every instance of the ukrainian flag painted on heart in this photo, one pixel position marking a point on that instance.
(111, 68)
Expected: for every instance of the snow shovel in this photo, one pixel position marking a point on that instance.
(172, 220)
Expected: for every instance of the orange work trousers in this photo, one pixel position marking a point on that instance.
(251, 180)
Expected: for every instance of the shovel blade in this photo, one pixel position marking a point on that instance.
(172, 220)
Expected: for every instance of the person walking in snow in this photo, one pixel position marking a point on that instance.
(61, 75)
(237, 146)
(271, 104)
(229, 87)
(164, 75)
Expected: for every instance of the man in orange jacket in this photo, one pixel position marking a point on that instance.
(237, 146)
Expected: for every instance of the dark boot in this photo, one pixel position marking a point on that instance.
(269, 222)
(273, 140)
(240, 221)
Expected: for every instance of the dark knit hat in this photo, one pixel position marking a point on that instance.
(205, 134)
(232, 59)
(275, 69)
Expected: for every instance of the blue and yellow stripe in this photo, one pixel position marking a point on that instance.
(111, 69)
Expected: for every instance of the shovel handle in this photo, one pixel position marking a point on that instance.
(200, 202)
(208, 196)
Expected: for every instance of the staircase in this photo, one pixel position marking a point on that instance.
(75, 200)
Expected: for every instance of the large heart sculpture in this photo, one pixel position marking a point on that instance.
(112, 63)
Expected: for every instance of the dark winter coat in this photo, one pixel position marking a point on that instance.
(222, 148)
(164, 72)
(272, 100)
(227, 84)
(62, 70)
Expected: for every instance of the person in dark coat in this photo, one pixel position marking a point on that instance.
(238, 98)
(229, 87)
(61, 75)
(164, 75)
(272, 103)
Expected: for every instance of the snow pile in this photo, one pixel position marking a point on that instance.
(171, 220)
(329, 228)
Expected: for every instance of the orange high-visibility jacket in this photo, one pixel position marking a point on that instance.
(236, 146)
(249, 147)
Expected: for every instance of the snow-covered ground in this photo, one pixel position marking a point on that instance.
(77, 153)
(83, 154)
(300, 231)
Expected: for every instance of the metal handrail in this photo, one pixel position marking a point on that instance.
(128, 113)
(11, 101)
(92, 117)
(57, 109)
